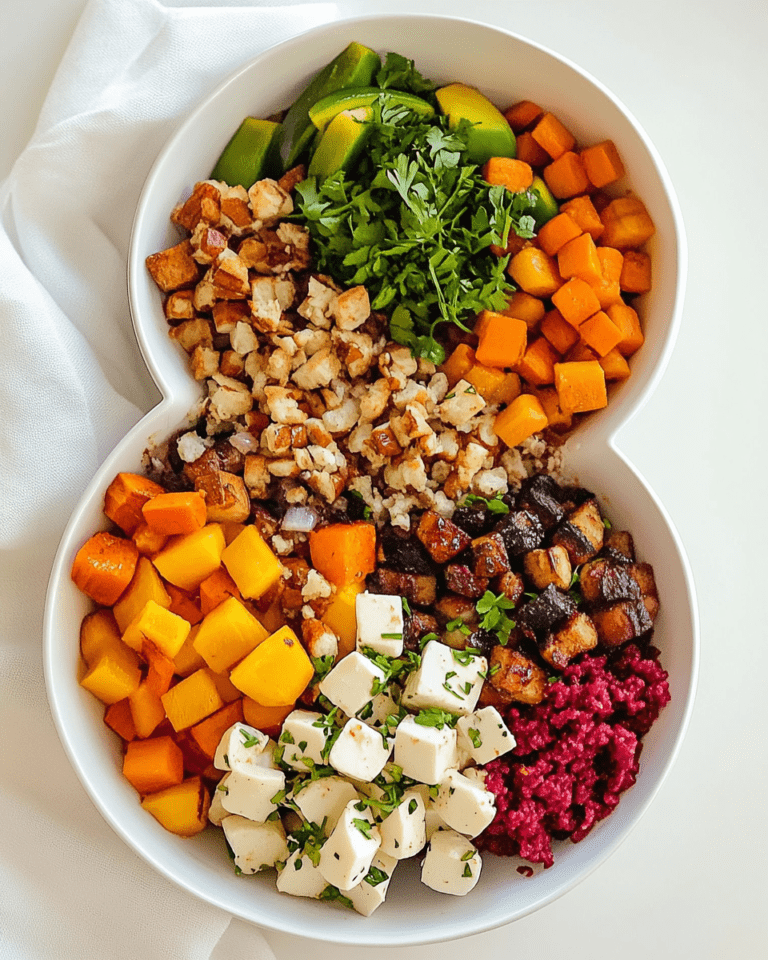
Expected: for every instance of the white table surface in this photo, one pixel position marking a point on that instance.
(691, 880)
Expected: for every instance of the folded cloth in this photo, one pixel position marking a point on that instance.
(72, 382)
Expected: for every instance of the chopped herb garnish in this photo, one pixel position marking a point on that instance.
(435, 717)
(492, 610)
(322, 667)
(364, 826)
(286, 737)
(334, 894)
(494, 504)
(375, 876)
(474, 736)
(412, 806)
(391, 636)
(406, 607)
(458, 624)
(467, 871)
(468, 855)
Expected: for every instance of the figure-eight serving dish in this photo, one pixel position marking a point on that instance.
(508, 70)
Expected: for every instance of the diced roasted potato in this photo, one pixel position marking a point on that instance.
(560, 646)
(420, 589)
(510, 584)
(174, 268)
(517, 677)
(226, 496)
(581, 533)
(619, 545)
(545, 612)
(550, 565)
(490, 555)
(442, 538)
(460, 579)
(621, 622)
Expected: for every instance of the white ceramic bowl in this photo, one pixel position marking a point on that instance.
(506, 68)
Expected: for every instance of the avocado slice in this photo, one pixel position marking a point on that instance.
(545, 206)
(491, 135)
(250, 155)
(341, 143)
(322, 112)
(355, 66)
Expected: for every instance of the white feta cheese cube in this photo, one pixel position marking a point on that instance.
(451, 865)
(239, 744)
(433, 821)
(256, 846)
(249, 793)
(302, 736)
(404, 832)
(369, 894)
(484, 735)
(352, 683)
(217, 811)
(378, 711)
(300, 877)
(324, 800)
(425, 753)
(360, 752)
(446, 678)
(465, 804)
(347, 854)
(380, 623)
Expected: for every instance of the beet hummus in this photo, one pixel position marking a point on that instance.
(577, 752)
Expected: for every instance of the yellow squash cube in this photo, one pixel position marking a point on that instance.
(166, 630)
(192, 699)
(251, 563)
(187, 560)
(99, 635)
(114, 676)
(145, 585)
(276, 672)
(341, 618)
(187, 660)
(182, 808)
(227, 634)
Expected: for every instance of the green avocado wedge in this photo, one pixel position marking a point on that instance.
(322, 112)
(341, 143)
(250, 155)
(355, 66)
(490, 135)
(545, 206)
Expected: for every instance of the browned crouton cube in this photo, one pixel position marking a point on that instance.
(417, 588)
(178, 306)
(621, 622)
(192, 333)
(460, 579)
(511, 585)
(204, 362)
(174, 268)
(226, 497)
(291, 177)
(204, 203)
(577, 635)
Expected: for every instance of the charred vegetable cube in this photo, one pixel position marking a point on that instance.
(460, 579)
(619, 546)
(516, 676)
(489, 555)
(521, 531)
(581, 533)
(621, 622)
(418, 625)
(510, 584)
(545, 612)
(576, 636)
(419, 589)
(541, 496)
(403, 552)
(474, 520)
(550, 565)
(442, 538)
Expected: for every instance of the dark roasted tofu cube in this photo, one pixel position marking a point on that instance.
(419, 589)
(460, 579)
(621, 622)
(576, 636)
(489, 556)
(619, 546)
(403, 552)
(516, 676)
(521, 531)
(548, 565)
(474, 520)
(541, 496)
(545, 612)
(510, 584)
(442, 538)
(581, 533)
(418, 625)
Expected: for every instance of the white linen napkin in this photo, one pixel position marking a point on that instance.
(72, 382)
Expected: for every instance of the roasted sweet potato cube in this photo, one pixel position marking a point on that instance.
(521, 531)
(545, 612)
(510, 584)
(582, 532)
(460, 579)
(489, 555)
(442, 538)
(420, 589)
(621, 622)
(174, 268)
(549, 565)
(453, 607)
(516, 676)
(576, 636)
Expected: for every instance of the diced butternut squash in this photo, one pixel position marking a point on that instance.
(558, 231)
(153, 764)
(125, 497)
(600, 333)
(118, 717)
(184, 605)
(458, 363)
(576, 301)
(628, 322)
(559, 332)
(530, 151)
(580, 386)
(520, 420)
(627, 224)
(158, 625)
(114, 676)
(187, 660)
(557, 418)
(146, 709)
(343, 552)
(251, 563)
(550, 134)
(148, 542)
(209, 732)
(614, 365)
(566, 176)
(103, 567)
(216, 589)
(486, 380)
(227, 634)
(583, 212)
(608, 290)
(514, 174)
(192, 699)
(179, 512)
(535, 272)
(99, 634)
(522, 114)
(187, 560)
(502, 341)
(161, 669)
(340, 616)
(525, 307)
(635, 274)
(509, 389)
(267, 719)
(277, 672)
(146, 585)
(538, 363)
(578, 258)
(181, 809)
(602, 163)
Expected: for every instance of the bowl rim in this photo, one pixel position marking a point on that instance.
(162, 410)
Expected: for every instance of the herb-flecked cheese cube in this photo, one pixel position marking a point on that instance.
(352, 683)
(250, 793)
(303, 736)
(359, 752)
(370, 893)
(451, 865)
(403, 831)
(241, 744)
(256, 846)
(346, 855)
(465, 804)
(484, 735)
(380, 623)
(324, 799)
(300, 877)
(425, 753)
(446, 678)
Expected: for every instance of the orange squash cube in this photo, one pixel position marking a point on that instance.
(555, 233)
(340, 615)
(277, 672)
(459, 362)
(179, 512)
(99, 634)
(627, 224)
(525, 307)
(158, 625)
(578, 258)
(614, 365)
(576, 301)
(503, 340)
(187, 660)
(209, 732)
(343, 552)
(153, 764)
(267, 719)
(535, 272)
(125, 497)
(635, 274)
(600, 333)
(602, 163)
(216, 589)
(608, 290)
(557, 418)
(192, 699)
(628, 322)
(580, 386)
(187, 560)
(251, 563)
(583, 212)
(118, 718)
(520, 420)
(538, 364)
(182, 809)
(146, 585)
(148, 542)
(103, 567)
(560, 334)
(550, 134)
(114, 676)
(566, 176)
(227, 634)
(146, 710)
(488, 381)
